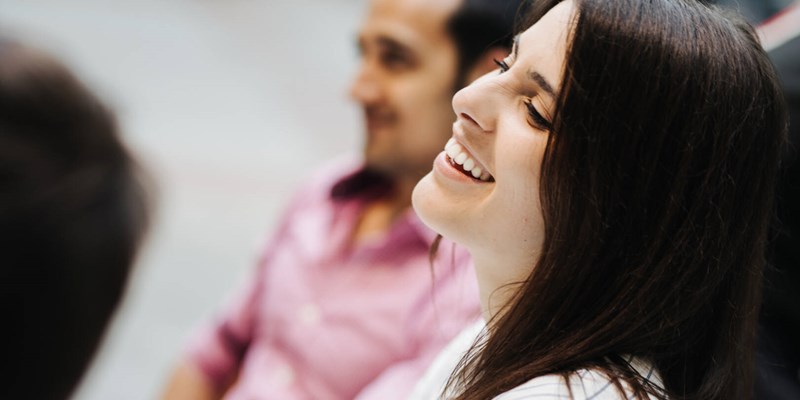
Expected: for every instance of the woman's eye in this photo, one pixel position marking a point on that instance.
(536, 119)
(502, 64)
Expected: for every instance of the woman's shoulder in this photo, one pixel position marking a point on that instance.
(582, 384)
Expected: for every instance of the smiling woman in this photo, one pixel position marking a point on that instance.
(496, 133)
(614, 191)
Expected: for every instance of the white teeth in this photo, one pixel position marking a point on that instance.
(457, 153)
(469, 164)
(453, 150)
(476, 172)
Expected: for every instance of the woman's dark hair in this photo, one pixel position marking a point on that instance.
(73, 210)
(656, 191)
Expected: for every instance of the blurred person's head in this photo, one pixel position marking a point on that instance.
(72, 213)
(414, 55)
(627, 153)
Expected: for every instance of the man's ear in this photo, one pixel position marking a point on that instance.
(486, 63)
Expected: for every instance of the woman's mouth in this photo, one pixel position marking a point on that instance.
(462, 161)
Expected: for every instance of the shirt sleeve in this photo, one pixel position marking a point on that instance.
(218, 348)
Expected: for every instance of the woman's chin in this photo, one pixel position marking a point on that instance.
(436, 208)
(432, 206)
(424, 199)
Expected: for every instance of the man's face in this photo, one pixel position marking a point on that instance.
(405, 84)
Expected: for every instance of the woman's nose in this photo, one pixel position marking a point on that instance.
(474, 105)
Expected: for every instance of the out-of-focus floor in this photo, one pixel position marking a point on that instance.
(228, 104)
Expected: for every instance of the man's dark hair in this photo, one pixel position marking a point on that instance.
(479, 25)
(72, 212)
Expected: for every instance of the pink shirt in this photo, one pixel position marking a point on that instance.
(322, 319)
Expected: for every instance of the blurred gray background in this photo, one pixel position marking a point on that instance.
(228, 104)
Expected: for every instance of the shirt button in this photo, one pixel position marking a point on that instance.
(310, 314)
(284, 375)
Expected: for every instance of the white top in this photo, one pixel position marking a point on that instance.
(585, 383)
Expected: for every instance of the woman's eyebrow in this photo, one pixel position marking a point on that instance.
(541, 82)
(533, 75)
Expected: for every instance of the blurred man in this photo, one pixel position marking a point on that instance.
(778, 358)
(344, 303)
(72, 213)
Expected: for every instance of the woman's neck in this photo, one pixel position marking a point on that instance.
(497, 285)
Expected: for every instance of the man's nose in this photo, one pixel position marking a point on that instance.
(365, 88)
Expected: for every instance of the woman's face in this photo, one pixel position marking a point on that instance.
(483, 191)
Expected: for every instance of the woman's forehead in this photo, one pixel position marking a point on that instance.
(543, 46)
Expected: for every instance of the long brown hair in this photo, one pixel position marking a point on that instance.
(656, 192)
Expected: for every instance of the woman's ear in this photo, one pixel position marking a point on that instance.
(485, 63)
